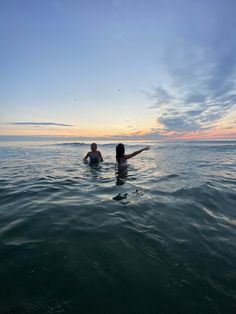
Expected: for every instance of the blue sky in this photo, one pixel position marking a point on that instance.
(147, 69)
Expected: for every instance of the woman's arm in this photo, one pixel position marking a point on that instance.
(85, 158)
(136, 153)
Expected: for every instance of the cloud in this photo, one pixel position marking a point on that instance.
(179, 124)
(197, 82)
(202, 88)
(198, 98)
(41, 124)
(161, 97)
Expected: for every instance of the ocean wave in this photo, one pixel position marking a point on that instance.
(107, 145)
(76, 144)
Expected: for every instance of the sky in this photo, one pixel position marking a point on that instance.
(119, 69)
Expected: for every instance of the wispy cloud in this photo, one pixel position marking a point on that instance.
(41, 124)
(202, 90)
(161, 96)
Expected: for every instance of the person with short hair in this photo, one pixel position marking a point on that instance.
(94, 155)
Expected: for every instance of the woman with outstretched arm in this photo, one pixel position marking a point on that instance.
(121, 157)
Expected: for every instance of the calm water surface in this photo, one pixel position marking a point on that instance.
(79, 239)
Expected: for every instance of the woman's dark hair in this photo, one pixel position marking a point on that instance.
(120, 150)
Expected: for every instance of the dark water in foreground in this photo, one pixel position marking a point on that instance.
(75, 239)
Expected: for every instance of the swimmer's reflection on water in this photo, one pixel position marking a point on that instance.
(121, 175)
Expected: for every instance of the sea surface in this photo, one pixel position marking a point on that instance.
(76, 238)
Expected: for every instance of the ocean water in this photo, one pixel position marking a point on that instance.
(80, 239)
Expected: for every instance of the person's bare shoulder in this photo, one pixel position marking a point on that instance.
(127, 156)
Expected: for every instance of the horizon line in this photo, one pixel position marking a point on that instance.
(102, 138)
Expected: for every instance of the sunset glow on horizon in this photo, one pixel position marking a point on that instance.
(148, 70)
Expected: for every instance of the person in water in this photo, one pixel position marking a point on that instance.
(95, 156)
(121, 157)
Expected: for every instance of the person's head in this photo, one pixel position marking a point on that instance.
(94, 147)
(120, 150)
